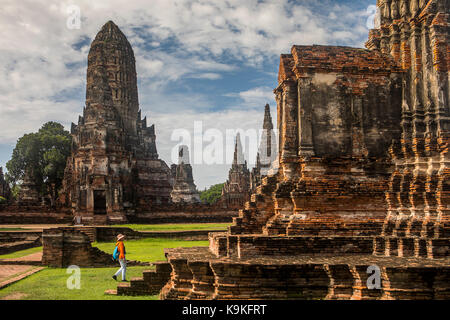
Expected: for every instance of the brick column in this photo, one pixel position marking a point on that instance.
(289, 129)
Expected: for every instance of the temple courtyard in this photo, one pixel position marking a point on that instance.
(22, 277)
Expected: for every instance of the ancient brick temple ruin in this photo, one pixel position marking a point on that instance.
(236, 189)
(28, 194)
(363, 182)
(114, 166)
(267, 151)
(5, 191)
(184, 189)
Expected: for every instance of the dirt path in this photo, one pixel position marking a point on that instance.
(13, 273)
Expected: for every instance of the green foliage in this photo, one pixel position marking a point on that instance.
(21, 253)
(2, 200)
(45, 152)
(212, 194)
(50, 283)
(149, 249)
(15, 191)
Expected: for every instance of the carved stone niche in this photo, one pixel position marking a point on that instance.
(385, 12)
(404, 9)
(395, 10)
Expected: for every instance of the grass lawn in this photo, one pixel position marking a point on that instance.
(12, 229)
(148, 250)
(176, 226)
(21, 253)
(50, 283)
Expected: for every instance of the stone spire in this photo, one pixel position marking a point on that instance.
(268, 125)
(111, 57)
(5, 192)
(238, 158)
(184, 189)
(236, 189)
(114, 166)
(28, 194)
(183, 155)
(268, 147)
(267, 151)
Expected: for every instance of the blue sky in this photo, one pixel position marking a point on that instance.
(213, 61)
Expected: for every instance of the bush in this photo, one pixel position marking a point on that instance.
(2, 200)
(212, 194)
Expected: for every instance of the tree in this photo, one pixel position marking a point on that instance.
(212, 194)
(46, 152)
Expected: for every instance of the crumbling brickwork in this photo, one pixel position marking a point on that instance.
(417, 36)
(267, 152)
(236, 190)
(184, 189)
(5, 191)
(63, 247)
(29, 194)
(114, 167)
(363, 179)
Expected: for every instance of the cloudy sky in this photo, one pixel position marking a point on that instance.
(197, 60)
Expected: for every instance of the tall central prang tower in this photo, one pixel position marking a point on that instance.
(114, 167)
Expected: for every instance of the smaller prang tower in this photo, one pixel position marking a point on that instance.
(184, 189)
(267, 151)
(5, 191)
(236, 191)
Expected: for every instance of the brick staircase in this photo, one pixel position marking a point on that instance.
(150, 283)
(91, 232)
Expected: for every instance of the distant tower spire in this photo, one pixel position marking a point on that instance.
(268, 125)
(238, 158)
(183, 155)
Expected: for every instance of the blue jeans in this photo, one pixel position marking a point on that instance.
(123, 268)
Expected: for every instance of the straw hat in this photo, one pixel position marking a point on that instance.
(120, 237)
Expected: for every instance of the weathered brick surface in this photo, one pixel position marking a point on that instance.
(114, 166)
(236, 190)
(67, 246)
(150, 283)
(5, 191)
(203, 276)
(184, 189)
(363, 180)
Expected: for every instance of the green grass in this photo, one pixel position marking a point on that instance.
(21, 253)
(176, 226)
(18, 274)
(12, 229)
(148, 250)
(51, 284)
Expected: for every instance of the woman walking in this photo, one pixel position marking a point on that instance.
(123, 262)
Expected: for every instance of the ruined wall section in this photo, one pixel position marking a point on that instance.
(338, 110)
(416, 34)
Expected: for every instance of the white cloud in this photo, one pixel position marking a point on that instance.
(43, 63)
(255, 97)
(206, 175)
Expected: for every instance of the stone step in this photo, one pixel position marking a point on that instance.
(161, 266)
(9, 247)
(111, 292)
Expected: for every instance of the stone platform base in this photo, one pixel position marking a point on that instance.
(199, 274)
